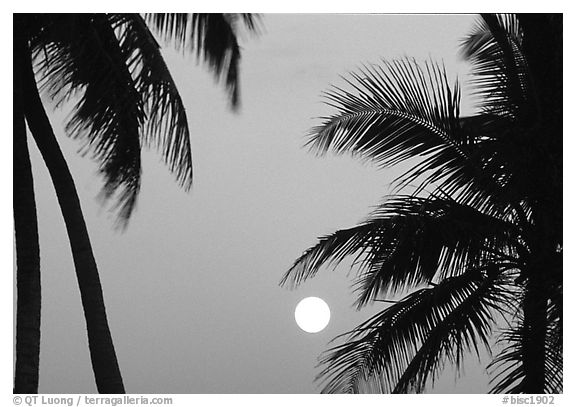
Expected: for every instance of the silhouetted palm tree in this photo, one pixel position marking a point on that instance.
(478, 245)
(111, 66)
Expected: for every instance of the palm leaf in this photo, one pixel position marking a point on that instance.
(128, 98)
(507, 368)
(166, 121)
(80, 54)
(501, 73)
(554, 350)
(213, 38)
(439, 238)
(404, 345)
(399, 111)
(409, 241)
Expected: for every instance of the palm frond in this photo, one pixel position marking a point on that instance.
(79, 54)
(331, 249)
(400, 110)
(439, 238)
(127, 98)
(213, 37)
(408, 241)
(497, 154)
(166, 121)
(252, 21)
(501, 73)
(507, 367)
(403, 346)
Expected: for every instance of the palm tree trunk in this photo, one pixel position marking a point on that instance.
(542, 47)
(27, 249)
(102, 353)
(534, 344)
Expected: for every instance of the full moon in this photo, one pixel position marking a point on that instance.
(312, 314)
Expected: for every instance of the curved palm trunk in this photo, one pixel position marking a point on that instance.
(27, 250)
(102, 353)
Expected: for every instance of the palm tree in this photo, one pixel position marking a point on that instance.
(476, 247)
(111, 65)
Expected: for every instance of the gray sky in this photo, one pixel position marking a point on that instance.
(191, 287)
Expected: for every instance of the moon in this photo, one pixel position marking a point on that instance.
(312, 314)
